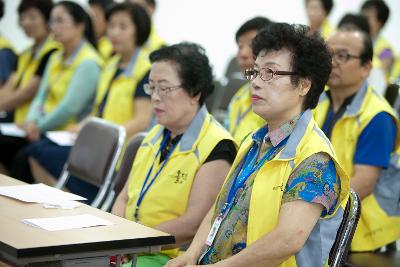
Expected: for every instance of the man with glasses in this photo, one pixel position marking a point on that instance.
(363, 130)
(241, 120)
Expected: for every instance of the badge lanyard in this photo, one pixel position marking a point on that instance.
(250, 166)
(145, 187)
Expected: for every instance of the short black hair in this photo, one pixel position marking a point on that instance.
(326, 4)
(79, 15)
(103, 4)
(44, 7)
(310, 56)
(1, 8)
(254, 24)
(367, 52)
(354, 21)
(139, 17)
(382, 9)
(194, 69)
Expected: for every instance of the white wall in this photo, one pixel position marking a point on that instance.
(213, 23)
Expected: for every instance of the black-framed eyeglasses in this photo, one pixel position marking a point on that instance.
(162, 91)
(265, 74)
(343, 56)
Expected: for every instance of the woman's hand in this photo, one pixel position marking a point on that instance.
(32, 131)
(182, 261)
(74, 128)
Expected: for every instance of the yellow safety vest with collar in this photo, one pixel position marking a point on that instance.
(27, 66)
(61, 74)
(119, 107)
(270, 182)
(105, 48)
(376, 227)
(5, 44)
(241, 118)
(168, 197)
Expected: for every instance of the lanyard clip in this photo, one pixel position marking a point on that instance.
(136, 214)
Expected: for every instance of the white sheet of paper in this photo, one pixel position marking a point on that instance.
(38, 193)
(66, 205)
(62, 138)
(67, 222)
(11, 129)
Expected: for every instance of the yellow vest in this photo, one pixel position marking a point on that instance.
(119, 107)
(380, 45)
(105, 48)
(5, 44)
(395, 75)
(61, 73)
(241, 118)
(326, 29)
(375, 228)
(27, 66)
(269, 184)
(168, 197)
(154, 42)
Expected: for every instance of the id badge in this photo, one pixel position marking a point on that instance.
(213, 231)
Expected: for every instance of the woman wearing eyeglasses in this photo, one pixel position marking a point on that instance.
(120, 96)
(281, 204)
(181, 164)
(21, 87)
(66, 89)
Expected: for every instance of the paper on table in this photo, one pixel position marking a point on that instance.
(39, 193)
(11, 129)
(67, 222)
(66, 205)
(62, 138)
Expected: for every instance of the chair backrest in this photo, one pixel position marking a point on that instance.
(94, 156)
(344, 236)
(124, 169)
(392, 93)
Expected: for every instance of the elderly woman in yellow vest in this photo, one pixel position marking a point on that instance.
(282, 202)
(8, 58)
(317, 13)
(67, 88)
(71, 76)
(241, 119)
(21, 87)
(120, 97)
(181, 164)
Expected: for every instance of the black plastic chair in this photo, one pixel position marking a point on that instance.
(341, 247)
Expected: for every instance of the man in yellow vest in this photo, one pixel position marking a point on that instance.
(364, 132)
(377, 13)
(241, 118)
